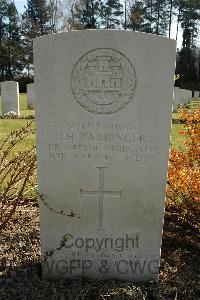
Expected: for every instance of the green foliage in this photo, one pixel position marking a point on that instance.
(186, 67)
(11, 51)
(35, 23)
(110, 11)
(189, 15)
(37, 12)
(88, 14)
(84, 14)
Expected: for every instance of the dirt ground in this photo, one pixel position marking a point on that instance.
(20, 266)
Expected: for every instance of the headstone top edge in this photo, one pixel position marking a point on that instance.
(104, 31)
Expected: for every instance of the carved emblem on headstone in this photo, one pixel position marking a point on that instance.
(103, 81)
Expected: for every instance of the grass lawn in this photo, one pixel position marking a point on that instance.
(6, 125)
(177, 139)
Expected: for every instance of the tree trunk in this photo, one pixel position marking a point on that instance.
(158, 18)
(170, 17)
(178, 20)
(125, 16)
(151, 15)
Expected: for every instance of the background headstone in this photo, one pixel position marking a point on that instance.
(103, 130)
(183, 98)
(10, 97)
(196, 94)
(176, 100)
(189, 96)
(30, 95)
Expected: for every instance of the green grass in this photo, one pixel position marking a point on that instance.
(177, 140)
(23, 106)
(175, 116)
(7, 125)
(194, 104)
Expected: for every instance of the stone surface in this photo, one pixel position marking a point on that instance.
(103, 131)
(30, 95)
(189, 95)
(196, 94)
(176, 100)
(10, 97)
(181, 96)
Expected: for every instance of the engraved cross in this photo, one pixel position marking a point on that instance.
(101, 193)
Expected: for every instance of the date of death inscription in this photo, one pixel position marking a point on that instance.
(100, 141)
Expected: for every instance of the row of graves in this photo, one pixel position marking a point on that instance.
(10, 97)
(183, 97)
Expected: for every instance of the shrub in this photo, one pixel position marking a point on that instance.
(184, 172)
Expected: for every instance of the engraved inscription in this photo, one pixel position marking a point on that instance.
(103, 81)
(101, 193)
(98, 140)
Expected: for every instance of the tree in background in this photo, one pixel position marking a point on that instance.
(142, 16)
(35, 23)
(84, 14)
(54, 14)
(3, 27)
(189, 16)
(151, 16)
(110, 13)
(15, 60)
(11, 54)
(37, 12)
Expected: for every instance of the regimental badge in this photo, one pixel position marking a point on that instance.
(103, 81)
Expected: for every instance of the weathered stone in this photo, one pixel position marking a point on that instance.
(103, 129)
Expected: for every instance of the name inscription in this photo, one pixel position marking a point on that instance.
(101, 141)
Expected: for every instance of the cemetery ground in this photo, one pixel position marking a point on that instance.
(20, 265)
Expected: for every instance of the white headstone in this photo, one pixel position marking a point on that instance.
(103, 130)
(182, 97)
(189, 95)
(186, 100)
(30, 95)
(176, 100)
(196, 94)
(10, 97)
